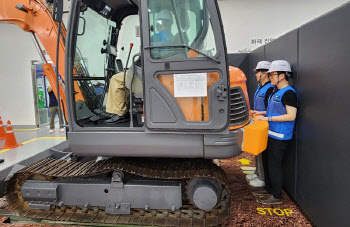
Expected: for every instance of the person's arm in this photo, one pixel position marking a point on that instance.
(289, 116)
(49, 89)
(254, 112)
(290, 100)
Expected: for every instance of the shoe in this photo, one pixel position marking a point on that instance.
(261, 191)
(257, 183)
(61, 130)
(216, 162)
(270, 200)
(258, 189)
(117, 119)
(261, 197)
(3, 203)
(95, 118)
(250, 177)
(52, 131)
(102, 114)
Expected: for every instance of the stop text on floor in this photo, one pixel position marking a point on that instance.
(274, 211)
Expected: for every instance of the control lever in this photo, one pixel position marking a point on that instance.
(126, 65)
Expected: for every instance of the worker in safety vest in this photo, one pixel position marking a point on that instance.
(281, 113)
(261, 98)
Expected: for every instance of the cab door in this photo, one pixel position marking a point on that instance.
(185, 72)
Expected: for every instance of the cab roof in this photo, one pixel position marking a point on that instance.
(115, 10)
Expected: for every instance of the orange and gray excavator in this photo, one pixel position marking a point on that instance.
(157, 167)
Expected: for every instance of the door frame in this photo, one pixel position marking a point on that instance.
(218, 122)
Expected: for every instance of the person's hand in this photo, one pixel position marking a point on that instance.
(49, 89)
(261, 118)
(254, 112)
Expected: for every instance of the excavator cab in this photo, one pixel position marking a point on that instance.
(178, 56)
(169, 33)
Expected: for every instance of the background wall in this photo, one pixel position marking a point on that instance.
(17, 50)
(16, 89)
(249, 24)
(316, 165)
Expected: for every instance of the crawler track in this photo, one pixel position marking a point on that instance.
(178, 169)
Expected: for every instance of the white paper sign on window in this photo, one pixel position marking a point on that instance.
(190, 85)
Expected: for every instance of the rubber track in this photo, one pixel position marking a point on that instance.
(188, 215)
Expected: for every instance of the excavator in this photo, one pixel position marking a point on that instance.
(156, 168)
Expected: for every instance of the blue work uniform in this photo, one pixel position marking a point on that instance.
(259, 97)
(279, 130)
(280, 136)
(260, 103)
(162, 38)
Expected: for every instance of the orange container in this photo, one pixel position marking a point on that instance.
(255, 137)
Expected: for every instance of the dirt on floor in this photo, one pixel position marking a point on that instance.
(245, 211)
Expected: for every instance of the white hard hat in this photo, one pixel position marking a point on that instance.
(262, 65)
(165, 14)
(280, 66)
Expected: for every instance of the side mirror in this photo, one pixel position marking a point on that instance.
(57, 10)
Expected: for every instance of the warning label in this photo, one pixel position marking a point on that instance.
(190, 85)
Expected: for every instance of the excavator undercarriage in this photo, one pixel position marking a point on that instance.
(163, 192)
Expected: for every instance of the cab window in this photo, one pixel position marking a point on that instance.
(179, 28)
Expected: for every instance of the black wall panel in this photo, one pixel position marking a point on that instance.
(317, 165)
(323, 182)
(240, 61)
(286, 48)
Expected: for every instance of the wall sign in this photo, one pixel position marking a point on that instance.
(261, 41)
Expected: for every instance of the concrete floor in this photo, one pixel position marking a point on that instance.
(34, 142)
